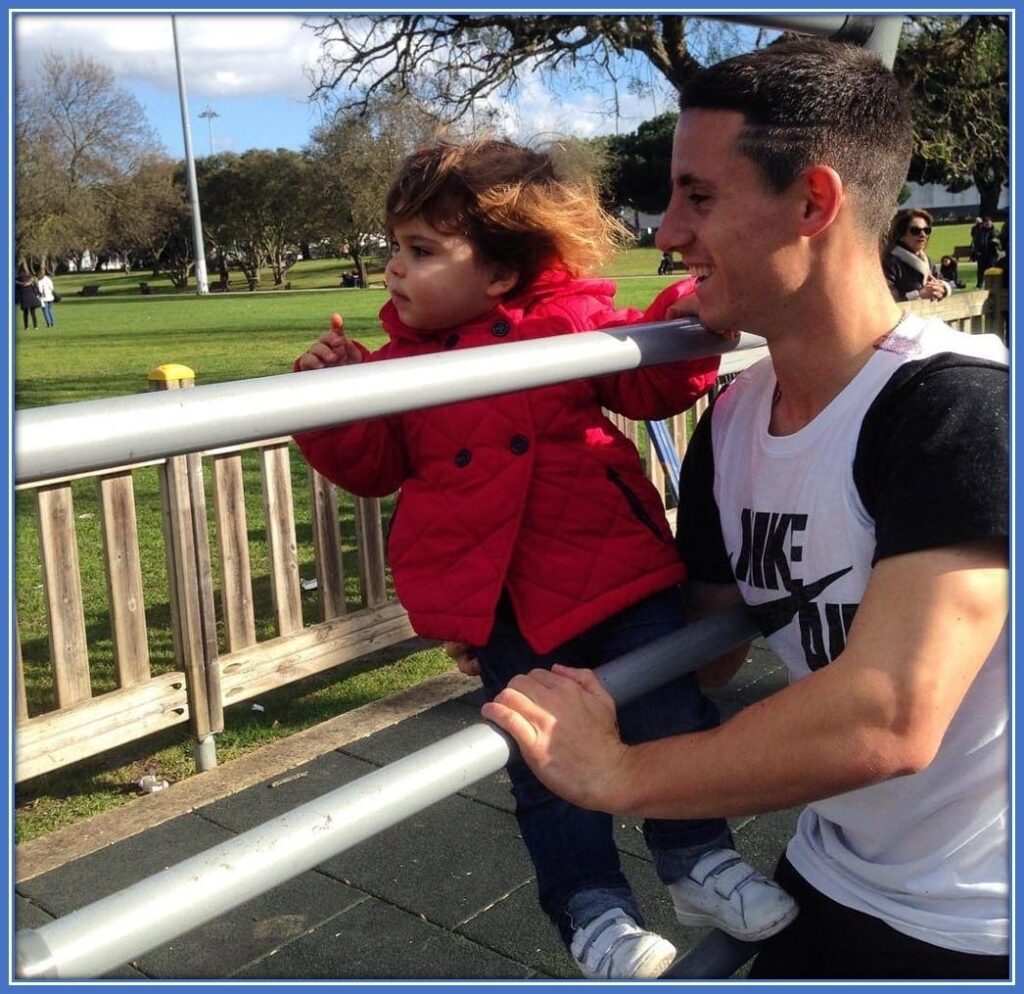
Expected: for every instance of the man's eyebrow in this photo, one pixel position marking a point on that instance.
(688, 179)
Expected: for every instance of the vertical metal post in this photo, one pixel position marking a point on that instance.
(202, 285)
(885, 38)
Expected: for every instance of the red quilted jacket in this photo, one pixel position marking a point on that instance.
(534, 492)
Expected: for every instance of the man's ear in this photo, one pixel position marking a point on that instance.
(502, 281)
(823, 195)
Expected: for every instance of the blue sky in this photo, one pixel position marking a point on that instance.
(251, 69)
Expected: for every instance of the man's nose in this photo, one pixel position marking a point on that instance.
(673, 234)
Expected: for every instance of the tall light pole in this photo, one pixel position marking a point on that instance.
(202, 286)
(209, 114)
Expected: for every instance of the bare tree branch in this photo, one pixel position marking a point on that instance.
(454, 60)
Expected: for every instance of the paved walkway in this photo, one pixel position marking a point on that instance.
(448, 893)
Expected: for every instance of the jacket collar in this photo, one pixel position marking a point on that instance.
(551, 283)
(913, 260)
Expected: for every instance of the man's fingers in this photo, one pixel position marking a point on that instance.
(587, 679)
(511, 721)
(337, 323)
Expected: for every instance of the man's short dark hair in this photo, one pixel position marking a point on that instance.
(814, 102)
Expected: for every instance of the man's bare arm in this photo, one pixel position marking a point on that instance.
(925, 626)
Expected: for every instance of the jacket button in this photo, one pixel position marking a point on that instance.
(500, 329)
(463, 457)
(518, 445)
(451, 341)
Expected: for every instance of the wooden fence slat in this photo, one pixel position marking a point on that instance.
(370, 550)
(54, 739)
(233, 547)
(330, 576)
(62, 591)
(281, 545)
(204, 590)
(187, 543)
(680, 435)
(278, 661)
(186, 606)
(21, 700)
(124, 578)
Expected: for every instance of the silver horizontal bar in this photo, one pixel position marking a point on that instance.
(96, 434)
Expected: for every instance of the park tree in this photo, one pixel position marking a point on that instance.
(78, 135)
(641, 161)
(254, 207)
(957, 69)
(143, 210)
(354, 159)
(40, 227)
(177, 257)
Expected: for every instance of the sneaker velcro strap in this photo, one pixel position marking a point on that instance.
(729, 876)
(601, 928)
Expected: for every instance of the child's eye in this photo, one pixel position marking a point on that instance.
(419, 252)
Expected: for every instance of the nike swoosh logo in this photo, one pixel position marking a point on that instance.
(773, 615)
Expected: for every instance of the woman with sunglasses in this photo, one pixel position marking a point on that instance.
(909, 271)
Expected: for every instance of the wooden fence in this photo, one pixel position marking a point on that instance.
(223, 650)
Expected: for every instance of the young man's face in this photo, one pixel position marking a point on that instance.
(731, 230)
(438, 280)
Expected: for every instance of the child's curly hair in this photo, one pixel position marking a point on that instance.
(510, 203)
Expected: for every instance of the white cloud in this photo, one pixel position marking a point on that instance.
(584, 110)
(223, 55)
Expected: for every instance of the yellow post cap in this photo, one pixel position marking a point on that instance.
(171, 371)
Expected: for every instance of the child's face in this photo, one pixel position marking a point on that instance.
(438, 280)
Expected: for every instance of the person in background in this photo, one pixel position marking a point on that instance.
(909, 271)
(984, 247)
(26, 296)
(949, 270)
(526, 531)
(46, 296)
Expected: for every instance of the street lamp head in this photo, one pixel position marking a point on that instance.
(208, 114)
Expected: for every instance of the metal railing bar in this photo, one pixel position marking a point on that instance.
(74, 438)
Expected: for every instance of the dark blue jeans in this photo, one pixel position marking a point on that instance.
(573, 851)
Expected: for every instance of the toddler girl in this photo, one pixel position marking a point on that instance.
(526, 529)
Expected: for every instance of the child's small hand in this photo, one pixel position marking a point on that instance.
(464, 657)
(331, 349)
(689, 306)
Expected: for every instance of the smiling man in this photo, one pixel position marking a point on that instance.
(853, 490)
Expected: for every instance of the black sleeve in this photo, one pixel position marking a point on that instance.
(698, 526)
(933, 461)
